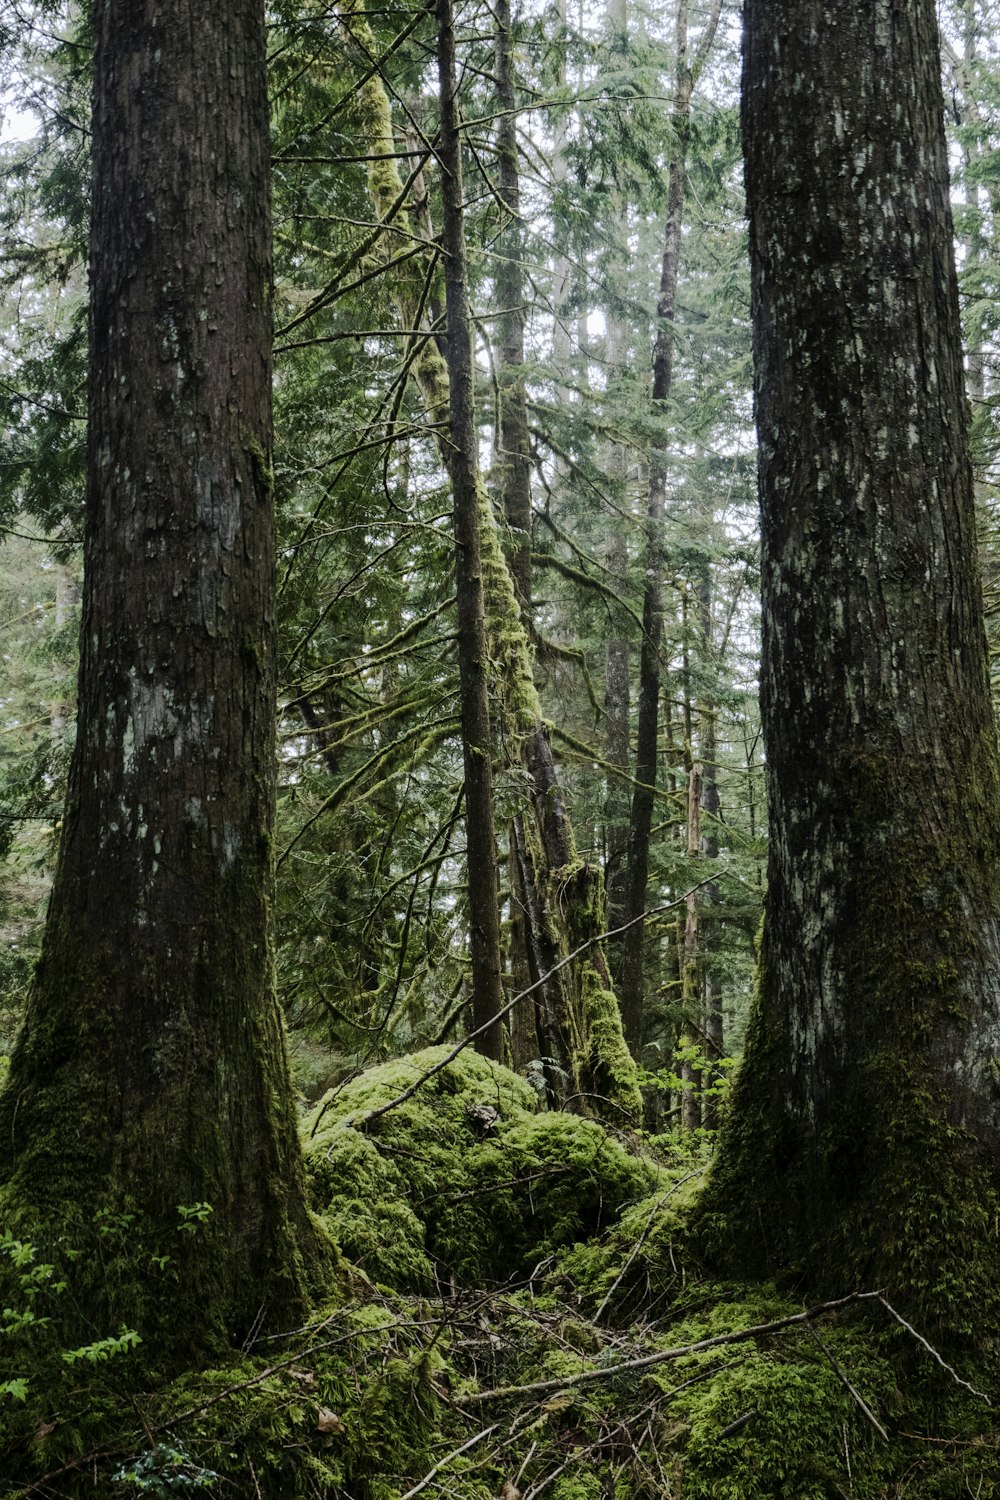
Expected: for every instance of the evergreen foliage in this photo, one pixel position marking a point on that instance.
(482, 1243)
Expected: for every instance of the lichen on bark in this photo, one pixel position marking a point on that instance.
(864, 1132)
(150, 1074)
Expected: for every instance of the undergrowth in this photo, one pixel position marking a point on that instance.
(515, 1320)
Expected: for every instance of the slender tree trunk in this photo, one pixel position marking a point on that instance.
(67, 600)
(151, 1070)
(644, 795)
(691, 987)
(512, 477)
(711, 984)
(525, 1045)
(617, 656)
(513, 460)
(484, 909)
(562, 279)
(864, 1134)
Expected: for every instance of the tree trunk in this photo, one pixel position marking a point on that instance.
(691, 988)
(579, 1021)
(513, 459)
(644, 795)
(711, 983)
(864, 1134)
(151, 1070)
(484, 908)
(616, 651)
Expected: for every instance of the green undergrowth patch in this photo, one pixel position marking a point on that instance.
(524, 1317)
(464, 1180)
(479, 1391)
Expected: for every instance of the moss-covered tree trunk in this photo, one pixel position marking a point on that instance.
(151, 1070)
(865, 1130)
(579, 1025)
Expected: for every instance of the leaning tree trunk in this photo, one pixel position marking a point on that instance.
(151, 1073)
(578, 1021)
(864, 1135)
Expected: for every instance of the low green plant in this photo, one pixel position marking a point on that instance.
(163, 1471)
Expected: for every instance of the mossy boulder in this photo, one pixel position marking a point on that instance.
(463, 1180)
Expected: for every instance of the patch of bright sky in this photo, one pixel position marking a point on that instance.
(16, 124)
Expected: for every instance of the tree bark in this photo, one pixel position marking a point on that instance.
(513, 460)
(484, 907)
(864, 1134)
(644, 795)
(151, 1070)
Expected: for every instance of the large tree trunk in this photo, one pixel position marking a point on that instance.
(865, 1128)
(151, 1069)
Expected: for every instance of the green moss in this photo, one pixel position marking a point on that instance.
(364, 1401)
(643, 1259)
(76, 1165)
(802, 1434)
(367, 1214)
(877, 1183)
(607, 1065)
(463, 1175)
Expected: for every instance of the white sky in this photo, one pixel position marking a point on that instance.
(16, 124)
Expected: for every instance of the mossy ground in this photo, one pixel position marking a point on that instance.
(487, 1247)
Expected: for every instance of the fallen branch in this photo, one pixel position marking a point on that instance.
(932, 1351)
(844, 1380)
(428, 1478)
(642, 1239)
(647, 1361)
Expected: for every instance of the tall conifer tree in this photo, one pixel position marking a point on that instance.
(865, 1128)
(150, 1074)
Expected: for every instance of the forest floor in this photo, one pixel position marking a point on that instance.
(520, 1313)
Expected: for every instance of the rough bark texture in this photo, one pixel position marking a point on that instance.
(711, 982)
(617, 740)
(617, 653)
(865, 1129)
(484, 908)
(151, 1071)
(513, 460)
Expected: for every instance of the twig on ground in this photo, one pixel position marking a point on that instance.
(641, 1240)
(429, 1477)
(932, 1351)
(844, 1380)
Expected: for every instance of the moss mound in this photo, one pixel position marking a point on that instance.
(542, 1347)
(463, 1180)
